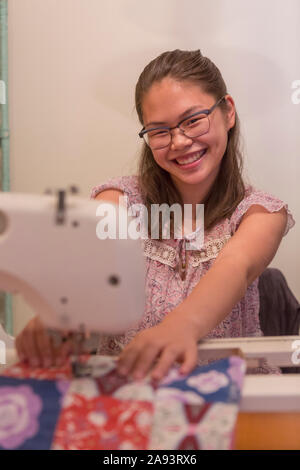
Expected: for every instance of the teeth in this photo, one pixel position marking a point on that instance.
(191, 159)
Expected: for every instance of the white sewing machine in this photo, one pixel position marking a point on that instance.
(49, 252)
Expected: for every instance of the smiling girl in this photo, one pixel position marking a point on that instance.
(190, 155)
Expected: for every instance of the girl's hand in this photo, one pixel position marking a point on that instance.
(36, 346)
(158, 348)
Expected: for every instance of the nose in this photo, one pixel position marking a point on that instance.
(179, 140)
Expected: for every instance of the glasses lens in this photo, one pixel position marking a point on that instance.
(195, 125)
(157, 138)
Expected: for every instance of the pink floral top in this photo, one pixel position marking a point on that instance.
(165, 288)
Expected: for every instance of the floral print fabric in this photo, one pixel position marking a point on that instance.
(198, 411)
(106, 411)
(29, 410)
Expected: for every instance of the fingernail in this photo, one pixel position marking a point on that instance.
(156, 377)
(138, 375)
(47, 362)
(34, 362)
(58, 362)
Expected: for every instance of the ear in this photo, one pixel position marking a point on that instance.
(230, 112)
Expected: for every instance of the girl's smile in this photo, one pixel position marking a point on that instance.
(190, 160)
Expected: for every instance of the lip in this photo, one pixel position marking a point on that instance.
(188, 155)
(187, 166)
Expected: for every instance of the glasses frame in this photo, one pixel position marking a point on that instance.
(204, 111)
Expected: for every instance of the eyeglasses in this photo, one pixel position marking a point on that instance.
(192, 126)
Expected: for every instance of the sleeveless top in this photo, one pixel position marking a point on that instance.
(165, 288)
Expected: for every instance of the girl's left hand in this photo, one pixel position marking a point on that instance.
(156, 349)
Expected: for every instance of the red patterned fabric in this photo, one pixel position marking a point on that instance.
(108, 424)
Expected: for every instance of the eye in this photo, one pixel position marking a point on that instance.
(190, 122)
(157, 132)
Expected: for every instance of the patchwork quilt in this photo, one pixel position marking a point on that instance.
(52, 409)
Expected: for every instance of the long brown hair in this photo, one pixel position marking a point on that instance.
(156, 184)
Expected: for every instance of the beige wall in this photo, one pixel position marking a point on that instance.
(73, 65)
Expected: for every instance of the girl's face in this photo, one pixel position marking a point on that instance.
(168, 102)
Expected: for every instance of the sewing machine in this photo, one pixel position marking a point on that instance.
(49, 250)
(50, 253)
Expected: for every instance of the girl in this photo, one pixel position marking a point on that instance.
(190, 155)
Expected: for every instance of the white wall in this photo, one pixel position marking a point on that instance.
(73, 65)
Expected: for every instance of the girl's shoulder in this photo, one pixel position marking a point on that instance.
(255, 196)
(218, 236)
(127, 184)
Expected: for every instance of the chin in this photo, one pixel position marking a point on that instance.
(192, 179)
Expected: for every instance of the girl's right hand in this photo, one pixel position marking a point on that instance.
(36, 346)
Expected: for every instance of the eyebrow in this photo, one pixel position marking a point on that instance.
(181, 116)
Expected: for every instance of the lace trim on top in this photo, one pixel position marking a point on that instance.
(158, 251)
(210, 250)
